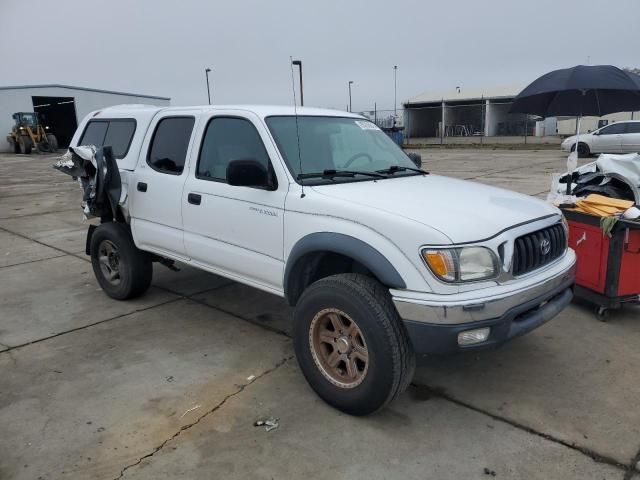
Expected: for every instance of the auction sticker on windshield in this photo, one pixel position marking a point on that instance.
(364, 125)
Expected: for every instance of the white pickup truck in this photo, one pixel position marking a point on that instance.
(381, 260)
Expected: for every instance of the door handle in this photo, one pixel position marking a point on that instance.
(142, 187)
(194, 199)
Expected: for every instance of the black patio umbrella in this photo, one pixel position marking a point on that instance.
(584, 90)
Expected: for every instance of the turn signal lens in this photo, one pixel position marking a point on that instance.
(441, 263)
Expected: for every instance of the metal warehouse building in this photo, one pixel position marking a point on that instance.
(462, 113)
(485, 112)
(63, 106)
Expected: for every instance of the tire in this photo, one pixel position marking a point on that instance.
(348, 300)
(15, 148)
(53, 142)
(25, 144)
(583, 150)
(122, 270)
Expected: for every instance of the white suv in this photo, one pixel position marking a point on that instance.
(618, 137)
(380, 259)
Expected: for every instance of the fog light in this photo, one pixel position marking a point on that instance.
(470, 337)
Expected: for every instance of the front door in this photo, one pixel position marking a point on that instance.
(235, 230)
(158, 181)
(608, 139)
(631, 138)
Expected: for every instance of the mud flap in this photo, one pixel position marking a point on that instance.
(87, 247)
(97, 172)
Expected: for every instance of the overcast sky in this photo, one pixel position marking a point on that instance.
(161, 48)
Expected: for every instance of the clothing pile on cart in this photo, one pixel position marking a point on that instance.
(607, 188)
(600, 202)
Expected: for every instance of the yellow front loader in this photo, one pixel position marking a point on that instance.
(29, 132)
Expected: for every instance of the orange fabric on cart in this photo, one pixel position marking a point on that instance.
(602, 206)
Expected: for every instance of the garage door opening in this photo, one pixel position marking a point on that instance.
(60, 115)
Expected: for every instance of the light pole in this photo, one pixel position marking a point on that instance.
(350, 108)
(395, 90)
(299, 64)
(206, 73)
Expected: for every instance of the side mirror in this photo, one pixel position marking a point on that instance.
(415, 158)
(247, 173)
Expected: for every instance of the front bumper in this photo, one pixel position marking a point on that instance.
(434, 328)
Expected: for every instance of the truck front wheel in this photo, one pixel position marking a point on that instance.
(351, 344)
(121, 269)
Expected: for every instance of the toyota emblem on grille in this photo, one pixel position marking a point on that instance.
(545, 246)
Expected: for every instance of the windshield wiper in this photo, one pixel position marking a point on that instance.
(395, 168)
(329, 173)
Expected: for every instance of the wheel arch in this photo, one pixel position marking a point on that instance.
(303, 265)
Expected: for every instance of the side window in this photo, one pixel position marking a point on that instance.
(94, 133)
(613, 129)
(119, 136)
(168, 149)
(116, 133)
(633, 127)
(227, 139)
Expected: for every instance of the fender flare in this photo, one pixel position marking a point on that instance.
(346, 245)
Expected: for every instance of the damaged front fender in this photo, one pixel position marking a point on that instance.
(97, 172)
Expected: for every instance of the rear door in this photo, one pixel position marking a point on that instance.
(631, 138)
(235, 230)
(158, 181)
(609, 139)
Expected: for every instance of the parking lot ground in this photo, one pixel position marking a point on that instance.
(171, 384)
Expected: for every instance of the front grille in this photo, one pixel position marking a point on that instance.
(536, 249)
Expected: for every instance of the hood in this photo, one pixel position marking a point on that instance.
(573, 138)
(462, 210)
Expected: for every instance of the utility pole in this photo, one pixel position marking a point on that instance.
(299, 64)
(350, 107)
(206, 72)
(395, 90)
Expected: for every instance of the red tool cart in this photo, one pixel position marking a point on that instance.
(608, 269)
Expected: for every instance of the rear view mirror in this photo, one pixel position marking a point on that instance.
(247, 173)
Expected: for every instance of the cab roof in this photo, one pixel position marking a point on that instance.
(260, 110)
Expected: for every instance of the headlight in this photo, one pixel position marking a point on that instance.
(465, 264)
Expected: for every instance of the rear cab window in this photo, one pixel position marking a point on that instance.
(169, 144)
(114, 132)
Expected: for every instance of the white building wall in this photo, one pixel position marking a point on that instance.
(19, 100)
(567, 126)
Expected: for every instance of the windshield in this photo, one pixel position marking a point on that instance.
(336, 143)
(29, 118)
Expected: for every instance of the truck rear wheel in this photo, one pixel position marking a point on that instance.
(122, 270)
(53, 142)
(351, 344)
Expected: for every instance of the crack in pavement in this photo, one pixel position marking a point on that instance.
(204, 415)
(505, 171)
(14, 347)
(34, 261)
(223, 310)
(634, 466)
(26, 237)
(40, 213)
(595, 456)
